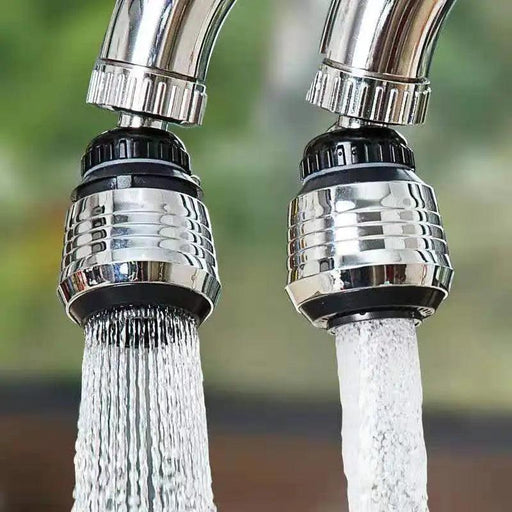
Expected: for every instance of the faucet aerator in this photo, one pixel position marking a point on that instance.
(137, 233)
(366, 238)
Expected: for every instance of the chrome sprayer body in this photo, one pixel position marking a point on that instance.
(138, 232)
(366, 238)
(365, 235)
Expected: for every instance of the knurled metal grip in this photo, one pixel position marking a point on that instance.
(139, 90)
(370, 98)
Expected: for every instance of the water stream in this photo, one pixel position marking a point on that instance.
(142, 434)
(384, 451)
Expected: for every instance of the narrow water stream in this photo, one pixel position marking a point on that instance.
(384, 451)
(142, 434)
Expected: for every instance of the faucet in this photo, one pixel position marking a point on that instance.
(366, 239)
(138, 232)
(139, 269)
(377, 58)
(155, 56)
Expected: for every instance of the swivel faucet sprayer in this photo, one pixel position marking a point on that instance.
(138, 232)
(366, 239)
(365, 234)
(139, 268)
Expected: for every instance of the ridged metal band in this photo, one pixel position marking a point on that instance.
(365, 235)
(138, 236)
(374, 98)
(146, 91)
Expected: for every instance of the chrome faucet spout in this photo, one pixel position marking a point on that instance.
(377, 57)
(155, 56)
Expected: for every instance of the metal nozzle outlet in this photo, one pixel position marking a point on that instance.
(365, 234)
(137, 233)
(377, 56)
(155, 58)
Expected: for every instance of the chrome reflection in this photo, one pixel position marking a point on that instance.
(359, 236)
(377, 57)
(138, 236)
(155, 58)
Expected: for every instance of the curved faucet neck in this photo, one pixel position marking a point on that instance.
(155, 56)
(377, 56)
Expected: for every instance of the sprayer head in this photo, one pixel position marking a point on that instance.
(365, 234)
(137, 233)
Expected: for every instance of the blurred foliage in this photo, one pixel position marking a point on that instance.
(256, 127)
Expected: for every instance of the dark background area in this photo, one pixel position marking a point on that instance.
(271, 379)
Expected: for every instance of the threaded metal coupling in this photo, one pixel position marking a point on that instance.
(372, 98)
(148, 92)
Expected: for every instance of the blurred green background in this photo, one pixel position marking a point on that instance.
(247, 155)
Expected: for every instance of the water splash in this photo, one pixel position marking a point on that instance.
(142, 434)
(384, 451)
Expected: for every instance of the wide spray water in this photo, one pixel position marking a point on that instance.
(384, 451)
(142, 433)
